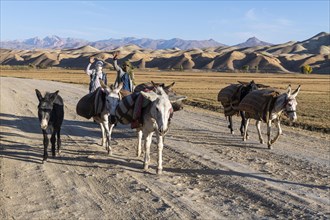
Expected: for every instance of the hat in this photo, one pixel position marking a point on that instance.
(99, 63)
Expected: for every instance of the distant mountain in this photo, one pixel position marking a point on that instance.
(253, 42)
(55, 42)
(49, 42)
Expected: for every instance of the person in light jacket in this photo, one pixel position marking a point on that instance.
(95, 74)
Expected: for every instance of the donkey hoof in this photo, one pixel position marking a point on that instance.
(232, 132)
(159, 171)
(145, 167)
(269, 146)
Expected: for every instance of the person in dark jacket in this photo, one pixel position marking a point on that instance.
(124, 75)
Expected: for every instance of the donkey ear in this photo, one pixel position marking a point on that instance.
(174, 99)
(295, 93)
(243, 83)
(152, 96)
(289, 90)
(38, 93)
(53, 96)
(153, 84)
(262, 85)
(169, 86)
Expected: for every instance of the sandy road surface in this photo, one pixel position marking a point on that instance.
(208, 173)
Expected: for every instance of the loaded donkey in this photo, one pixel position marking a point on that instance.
(230, 97)
(154, 116)
(97, 105)
(268, 105)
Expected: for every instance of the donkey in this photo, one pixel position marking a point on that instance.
(156, 119)
(51, 115)
(231, 96)
(175, 100)
(271, 106)
(112, 99)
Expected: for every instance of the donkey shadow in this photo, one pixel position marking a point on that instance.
(28, 124)
(218, 172)
(215, 138)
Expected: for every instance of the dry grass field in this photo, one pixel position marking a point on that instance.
(202, 88)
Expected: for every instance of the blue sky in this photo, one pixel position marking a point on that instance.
(228, 22)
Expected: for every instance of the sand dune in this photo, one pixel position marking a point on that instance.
(287, 57)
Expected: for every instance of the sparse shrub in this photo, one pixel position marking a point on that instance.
(306, 69)
(256, 68)
(42, 66)
(32, 66)
(181, 68)
(245, 68)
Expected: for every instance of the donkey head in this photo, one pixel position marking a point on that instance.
(45, 107)
(291, 103)
(113, 96)
(175, 100)
(247, 87)
(161, 109)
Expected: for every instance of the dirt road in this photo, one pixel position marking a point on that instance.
(208, 173)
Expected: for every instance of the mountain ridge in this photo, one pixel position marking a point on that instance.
(56, 42)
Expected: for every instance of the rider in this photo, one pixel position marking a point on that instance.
(124, 75)
(95, 74)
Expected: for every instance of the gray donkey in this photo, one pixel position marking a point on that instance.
(156, 119)
(51, 115)
(267, 105)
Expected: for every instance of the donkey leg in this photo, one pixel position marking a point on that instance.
(245, 129)
(160, 154)
(269, 125)
(107, 136)
(147, 143)
(258, 123)
(139, 145)
(59, 141)
(111, 126)
(103, 139)
(279, 131)
(230, 126)
(46, 142)
(242, 123)
(53, 140)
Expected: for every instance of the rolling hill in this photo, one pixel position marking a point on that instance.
(284, 58)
